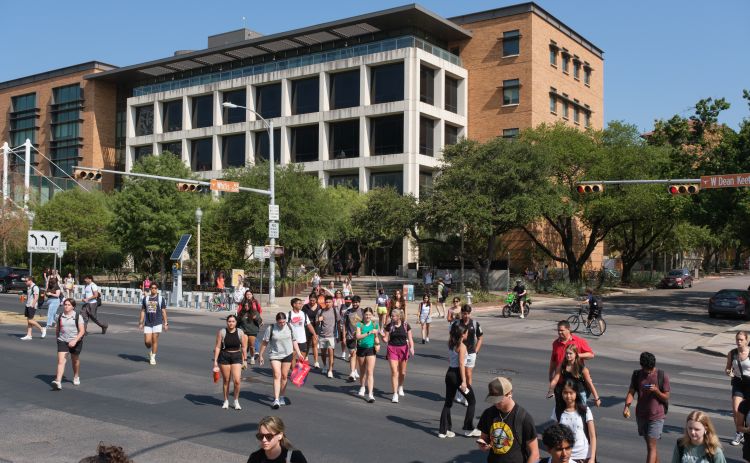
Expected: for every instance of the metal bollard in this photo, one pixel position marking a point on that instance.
(468, 297)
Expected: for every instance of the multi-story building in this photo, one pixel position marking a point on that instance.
(69, 121)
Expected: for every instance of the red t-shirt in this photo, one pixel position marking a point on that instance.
(558, 348)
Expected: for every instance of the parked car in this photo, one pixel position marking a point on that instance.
(730, 302)
(13, 279)
(677, 278)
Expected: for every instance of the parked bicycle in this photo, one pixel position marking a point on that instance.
(596, 326)
(221, 300)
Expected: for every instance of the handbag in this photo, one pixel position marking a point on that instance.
(300, 373)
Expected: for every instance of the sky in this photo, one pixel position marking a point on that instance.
(661, 56)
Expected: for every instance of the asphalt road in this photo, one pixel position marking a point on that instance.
(171, 411)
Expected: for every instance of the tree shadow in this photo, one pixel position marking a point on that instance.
(421, 425)
(133, 358)
(260, 399)
(348, 388)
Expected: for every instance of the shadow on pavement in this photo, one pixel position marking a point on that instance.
(240, 428)
(413, 424)
(46, 379)
(432, 356)
(428, 395)
(470, 457)
(133, 358)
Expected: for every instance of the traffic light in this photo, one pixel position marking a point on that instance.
(192, 187)
(689, 189)
(86, 173)
(590, 188)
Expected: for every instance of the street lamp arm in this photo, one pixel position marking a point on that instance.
(230, 105)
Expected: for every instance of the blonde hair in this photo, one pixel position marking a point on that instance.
(710, 440)
(276, 426)
(397, 312)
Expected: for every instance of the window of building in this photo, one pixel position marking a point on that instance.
(511, 43)
(201, 155)
(233, 151)
(268, 100)
(347, 181)
(387, 134)
(451, 94)
(387, 83)
(510, 133)
(262, 148)
(173, 147)
(511, 92)
(426, 136)
(343, 139)
(565, 62)
(172, 117)
(306, 95)
(388, 180)
(586, 75)
(234, 115)
(425, 185)
(565, 109)
(553, 104)
(23, 119)
(427, 85)
(576, 111)
(344, 89)
(587, 117)
(451, 134)
(144, 120)
(305, 143)
(140, 152)
(203, 111)
(553, 56)
(66, 122)
(576, 69)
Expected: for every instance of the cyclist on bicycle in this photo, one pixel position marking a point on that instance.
(593, 303)
(521, 292)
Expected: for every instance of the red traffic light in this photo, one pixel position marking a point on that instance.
(687, 189)
(590, 188)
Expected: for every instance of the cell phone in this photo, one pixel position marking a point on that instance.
(481, 442)
(648, 386)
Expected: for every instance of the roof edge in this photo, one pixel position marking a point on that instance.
(86, 66)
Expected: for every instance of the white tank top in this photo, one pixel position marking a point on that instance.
(740, 367)
(453, 358)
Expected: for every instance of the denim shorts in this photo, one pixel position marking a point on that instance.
(650, 428)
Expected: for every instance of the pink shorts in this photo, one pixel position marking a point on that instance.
(400, 353)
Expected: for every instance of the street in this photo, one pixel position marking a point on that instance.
(171, 411)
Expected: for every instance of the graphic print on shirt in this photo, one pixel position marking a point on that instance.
(501, 438)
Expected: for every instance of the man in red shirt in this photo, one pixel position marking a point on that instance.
(564, 338)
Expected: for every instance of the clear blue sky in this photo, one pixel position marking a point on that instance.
(661, 56)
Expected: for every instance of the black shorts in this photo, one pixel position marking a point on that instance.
(365, 351)
(29, 313)
(287, 359)
(441, 300)
(302, 347)
(351, 344)
(63, 347)
(229, 358)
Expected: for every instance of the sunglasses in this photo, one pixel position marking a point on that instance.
(260, 436)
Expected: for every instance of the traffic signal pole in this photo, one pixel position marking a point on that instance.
(639, 182)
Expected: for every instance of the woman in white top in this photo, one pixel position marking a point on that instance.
(425, 318)
(347, 289)
(573, 413)
(70, 283)
(738, 368)
(69, 334)
(283, 346)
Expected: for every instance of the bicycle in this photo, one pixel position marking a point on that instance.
(219, 301)
(596, 326)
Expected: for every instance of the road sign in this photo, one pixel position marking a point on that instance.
(225, 185)
(60, 253)
(273, 230)
(258, 252)
(181, 245)
(725, 181)
(273, 212)
(43, 241)
(63, 246)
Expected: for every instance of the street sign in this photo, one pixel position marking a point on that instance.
(266, 252)
(225, 185)
(63, 246)
(273, 212)
(725, 181)
(60, 253)
(181, 245)
(258, 252)
(43, 241)
(273, 230)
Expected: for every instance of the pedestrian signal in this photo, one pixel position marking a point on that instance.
(689, 189)
(84, 173)
(192, 187)
(592, 188)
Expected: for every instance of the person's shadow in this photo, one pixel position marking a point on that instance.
(413, 424)
(133, 358)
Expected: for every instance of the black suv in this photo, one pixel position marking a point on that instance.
(13, 279)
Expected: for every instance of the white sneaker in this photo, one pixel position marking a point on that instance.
(317, 365)
(394, 399)
(283, 401)
(252, 360)
(276, 404)
(361, 391)
(152, 359)
(447, 434)
(522, 317)
(26, 338)
(370, 399)
(76, 381)
(427, 340)
(236, 405)
(44, 333)
(56, 385)
(225, 405)
(355, 374)
(330, 373)
(738, 439)
(474, 433)
(401, 391)
(343, 356)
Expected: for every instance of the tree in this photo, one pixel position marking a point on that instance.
(13, 226)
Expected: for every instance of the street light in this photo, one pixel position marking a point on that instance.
(272, 189)
(30, 214)
(198, 218)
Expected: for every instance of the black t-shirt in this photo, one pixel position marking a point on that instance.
(232, 340)
(310, 312)
(505, 445)
(475, 332)
(398, 336)
(518, 289)
(259, 456)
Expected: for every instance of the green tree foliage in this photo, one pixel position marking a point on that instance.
(13, 227)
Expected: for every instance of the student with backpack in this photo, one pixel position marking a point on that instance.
(738, 368)
(30, 305)
(69, 331)
(699, 444)
(230, 357)
(153, 319)
(574, 413)
(283, 344)
(455, 380)
(249, 320)
(398, 337)
(473, 346)
(652, 387)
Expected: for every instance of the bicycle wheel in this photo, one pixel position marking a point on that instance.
(574, 322)
(598, 326)
(506, 311)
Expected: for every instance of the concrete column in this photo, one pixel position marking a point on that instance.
(364, 137)
(187, 148)
(187, 121)
(411, 76)
(128, 157)
(364, 85)
(323, 177)
(285, 153)
(440, 88)
(411, 131)
(411, 96)
(216, 163)
(463, 97)
(323, 130)
(158, 117)
(325, 83)
(218, 109)
(250, 94)
(439, 141)
(364, 180)
(155, 149)
(286, 98)
(249, 148)
(130, 121)
(411, 177)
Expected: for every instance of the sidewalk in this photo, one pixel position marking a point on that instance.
(721, 343)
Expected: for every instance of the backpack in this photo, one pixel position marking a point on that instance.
(445, 292)
(270, 336)
(223, 335)
(681, 451)
(659, 380)
(59, 317)
(392, 328)
(159, 300)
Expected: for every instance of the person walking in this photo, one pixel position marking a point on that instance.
(147, 284)
(559, 440)
(351, 318)
(301, 326)
(400, 343)
(30, 305)
(368, 345)
(572, 368)
(455, 380)
(70, 283)
(69, 332)
(382, 302)
(652, 387)
(338, 267)
(699, 444)
(564, 338)
(274, 445)
(250, 321)
(311, 310)
(508, 431)
(442, 294)
(425, 317)
(738, 368)
(398, 301)
(230, 357)
(328, 324)
(153, 320)
(347, 288)
(448, 279)
(473, 345)
(453, 313)
(283, 345)
(54, 296)
(91, 304)
(341, 311)
(574, 413)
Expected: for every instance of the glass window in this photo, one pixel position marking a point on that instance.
(24, 102)
(510, 133)
(348, 181)
(141, 151)
(427, 85)
(65, 127)
(387, 83)
(387, 134)
(451, 134)
(203, 111)
(451, 94)
(174, 148)
(576, 115)
(553, 56)
(553, 104)
(344, 139)
(565, 62)
(511, 43)
(425, 184)
(305, 143)
(586, 75)
(233, 151)
(201, 155)
(172, 115)
(268, 100)
(235, 115)
(261, 146)
(565, 109)
(23, 119)
(388, 179)
(344, 89)
(576, 69)
(306, 95)
(511, 92)
(144, 120)
(426, 136)
(587, 118)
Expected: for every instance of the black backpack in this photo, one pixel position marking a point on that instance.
(659, 380)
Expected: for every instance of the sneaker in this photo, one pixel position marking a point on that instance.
(44, 333)
(76, 381)
(330, 373)
(427, 340)
(252, 360)
(370, 399)
(225, 405)
(284, 401)
(56, 385)
(317, 365)
(356, 374)
(423, 341)
(401, 391)
(522, 317)
(236, 405)
(276, 404)
(350, 378)
(738, 439)
(473, 433)
(361, 391)
(447, 434)
(394, 399)
(104, 329)
(152, 359)
(343, 356)
(26, 338)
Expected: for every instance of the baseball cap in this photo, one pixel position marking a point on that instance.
(498, 388)
(348, 298)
